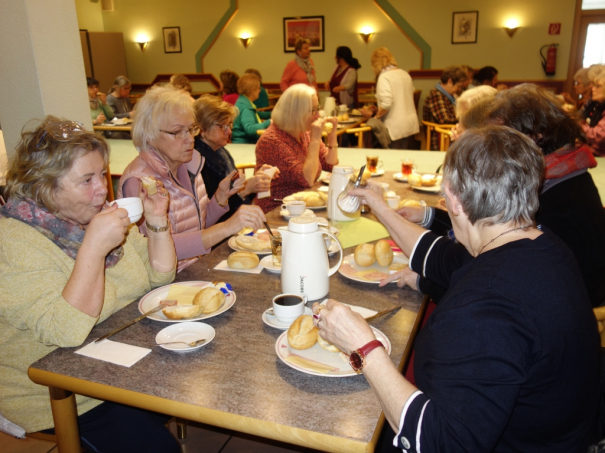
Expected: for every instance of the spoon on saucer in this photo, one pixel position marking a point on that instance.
(191, 343)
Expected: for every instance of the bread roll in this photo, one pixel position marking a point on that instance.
(328, 127)
(182, 311)
(314, 201)
(406, 202)
(366, 175)
(356, 112)
(243, 260)
(252, 243)
(429, 180)
(325, 344)
(210, 299)
(397, 266)
(415, 180)
(384, 253)
(149, 185)
(302, 334)
(365, 255)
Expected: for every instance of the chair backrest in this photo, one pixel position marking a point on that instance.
(430, 127)
(358, 131)
(110, 194)
(445, 137)
(599, 313)
(245, 166)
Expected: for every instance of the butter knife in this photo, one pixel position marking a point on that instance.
(380, 313)
(134, 321)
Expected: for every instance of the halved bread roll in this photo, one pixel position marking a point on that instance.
(243, 260)
(182, 311)
(326, 344)
(149, 185)
(252, 243)
(365, 255)
(210, 299)
(384, 253)
(302, 334)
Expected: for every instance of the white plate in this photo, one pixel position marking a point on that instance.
(267, 263)
(326, 178)
(333, 247)
(152, 299)
(429, 189)
(338, 361)
(313, 208)
(234, 246)
(185, 331)
(400, 177)
(272, 321)
(349, 269)
(285, 214)
(378, 172)
(323, 189)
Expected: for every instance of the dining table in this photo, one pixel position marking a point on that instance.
(237, 381)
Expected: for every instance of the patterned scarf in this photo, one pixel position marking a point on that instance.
(307, 66)
(568, 160)
(65, 235)
(94, 103)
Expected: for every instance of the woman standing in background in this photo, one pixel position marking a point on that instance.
(343, 84)
(301, 69)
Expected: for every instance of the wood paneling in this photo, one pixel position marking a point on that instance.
(108, 57)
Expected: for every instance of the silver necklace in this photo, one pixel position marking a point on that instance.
(501, 234)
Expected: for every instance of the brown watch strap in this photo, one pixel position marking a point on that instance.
(357, 358)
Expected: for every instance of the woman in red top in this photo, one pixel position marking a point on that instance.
(343, 84)
(293, 144)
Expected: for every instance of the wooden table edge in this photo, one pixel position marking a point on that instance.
(212, 417)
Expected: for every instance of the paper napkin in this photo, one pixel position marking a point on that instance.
(114, 352)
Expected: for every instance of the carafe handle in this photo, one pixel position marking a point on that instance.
(333, 269)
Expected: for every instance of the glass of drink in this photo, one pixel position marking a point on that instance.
(373, 164)
(407, 166)
(276, 249)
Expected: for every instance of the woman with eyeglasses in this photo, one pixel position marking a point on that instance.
(68, 261)
(293, 144)
(215, 119)
(593, 123)
(163, 131)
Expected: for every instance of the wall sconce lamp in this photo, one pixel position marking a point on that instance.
(143, 45)
(512, 25)
(245, 39)
(143, 41)
(366, 34)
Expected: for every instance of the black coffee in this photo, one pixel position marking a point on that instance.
(288, 301)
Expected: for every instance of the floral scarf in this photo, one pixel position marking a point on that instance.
(65, 235)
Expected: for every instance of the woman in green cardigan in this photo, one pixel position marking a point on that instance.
(249, 121)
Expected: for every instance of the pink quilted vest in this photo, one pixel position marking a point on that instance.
(187, 211)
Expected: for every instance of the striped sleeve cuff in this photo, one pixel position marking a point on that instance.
(410, 423)
(421, 251)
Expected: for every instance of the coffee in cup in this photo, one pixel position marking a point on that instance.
(288, 307)
(294, 208)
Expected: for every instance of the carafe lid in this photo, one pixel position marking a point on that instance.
(342, 169)
(303, 225)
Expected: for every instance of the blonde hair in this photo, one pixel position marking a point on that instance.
(247, 83)
(293, 109)
(256, 72)
(154, 110)
(472, 96)
(594, 71)
(119, 83)
(41, 160)
(210, 109)
(381, 58)
(181, 82)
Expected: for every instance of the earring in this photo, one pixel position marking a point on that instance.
(455, 214)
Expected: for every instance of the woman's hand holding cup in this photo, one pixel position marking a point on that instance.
(106, 231)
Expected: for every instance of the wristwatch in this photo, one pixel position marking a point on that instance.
(357, 359)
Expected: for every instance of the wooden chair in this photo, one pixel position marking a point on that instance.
(599, 313)
(358, 131)
(445, 137)
(110, 194)
(245, 166)
(430, 127)
(265, 109)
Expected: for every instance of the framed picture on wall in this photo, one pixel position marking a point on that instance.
(172, 40)
(464, 27)
(310, 27)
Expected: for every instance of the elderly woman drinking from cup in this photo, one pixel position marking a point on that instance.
(215, 118)
(293, 144)
(163, 132)
(508, 361)
(67, 262)
(249, 120)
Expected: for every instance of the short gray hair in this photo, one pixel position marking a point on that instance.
(582, 75)
(496, 173)
(471, 96)
(594, 71)
(293, 109)
(154, 109)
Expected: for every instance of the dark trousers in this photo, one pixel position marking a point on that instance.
(114, 428)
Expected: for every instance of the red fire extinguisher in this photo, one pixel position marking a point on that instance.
(549, 62)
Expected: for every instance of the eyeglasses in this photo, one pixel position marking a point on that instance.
(182, 134)
(62, 131)
(314, 111)
(224, 127)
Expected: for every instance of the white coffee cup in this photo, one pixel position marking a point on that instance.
(393, 201)
(294, 208)
(288, 307)
(133, 205)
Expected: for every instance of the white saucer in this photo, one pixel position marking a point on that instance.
(272, 321)
(378, 172)
(185, 331)
(323, 189)
(267, 263)
(400, 177)
(286, 214)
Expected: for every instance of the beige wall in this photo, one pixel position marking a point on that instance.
(89, 15)
(516, 58)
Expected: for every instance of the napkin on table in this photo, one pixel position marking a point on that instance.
(360, 231)
(223, 266)
(114, 352)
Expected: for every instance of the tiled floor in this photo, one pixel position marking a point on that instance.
(200, 438)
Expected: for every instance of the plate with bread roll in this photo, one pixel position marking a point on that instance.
(314, 200)
(425, 182)
(195, 300)
(302, 348)
(258, 242)
(372, 262)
